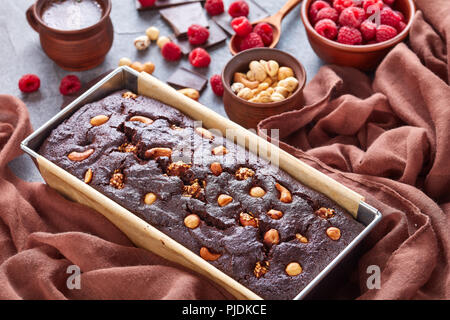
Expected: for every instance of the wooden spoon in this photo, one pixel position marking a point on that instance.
(274, 21)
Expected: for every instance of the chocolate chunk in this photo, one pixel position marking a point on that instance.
(180, 18)
(216, 35)
(164, 4)
(184, 78)
(256, 12)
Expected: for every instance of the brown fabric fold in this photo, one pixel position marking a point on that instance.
(389, 139)
(42, 234)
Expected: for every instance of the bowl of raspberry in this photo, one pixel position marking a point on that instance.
(356, 33)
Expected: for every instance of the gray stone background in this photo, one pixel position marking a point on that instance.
(21, 53)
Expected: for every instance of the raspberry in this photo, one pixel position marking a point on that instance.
(252, 40)
(238, 9)
(340, 5)
(349, 35)
(197, 34)
(216, 84)
(199, 58)
(241, 26)
(372, 6)
(401, 26)
(401, 15)
(389, 17)
(29, 83)
(265, 31)
(171, 51)
(315, 8)
(69, 85)
(352, 17)
(327, 13)
(368, 30)
(327, 28)
(147, 3)
(385, 33)
(214, 7)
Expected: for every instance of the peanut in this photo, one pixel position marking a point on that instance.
(88, 176)
(99, 120)
(208, 255)
(192, 221)
(190, 93)
(275, 214)
(204, 133)
(155, 153)
(285, 195)
(223, 200)
(150, 198)
(257, 192)
(142, 119)
(216, 168)
(80, 156)
(334, 233)
(293, 269)
(271, 237)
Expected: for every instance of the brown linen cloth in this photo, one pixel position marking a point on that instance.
(389, 139)
(42, 234)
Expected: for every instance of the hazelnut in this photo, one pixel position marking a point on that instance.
(285, 72)
(80, 156)
(204, 133)
(177, 168)
(127, 147)
(275, 97)
(325, 213)
(99, 120)
(125, 62)
(117, 179)
(268, 80)
(208, 255)
(285, 195)
(139, 67)
(224, 199)
(192, 221)
(149, 198)
(152, 33)
(193, 190)
(149, 67)
(216, 168)
(155, 153)
(129, 95)
(271, 237)
(219, 150)
(289, 83)
(236, 87)
(301, 238)
(190, 93)
(162, 41)
(334, 233)
(245, 93)
(282, 90)
(257, 192)
(141, 119)
(244, 173)
(248, 220)
(271, 67)
(293, 269)
(261, 268)
(88, 176)
(142, 42)
(262, 86)
(258, 71)
(275, 214)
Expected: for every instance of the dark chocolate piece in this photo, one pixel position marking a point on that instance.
(164, 4)
(180, 18)
(216, 35)
(184, 78)
(256, 12)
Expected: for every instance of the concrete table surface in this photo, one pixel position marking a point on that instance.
(21, 53)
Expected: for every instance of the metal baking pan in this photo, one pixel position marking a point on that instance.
(144, 235)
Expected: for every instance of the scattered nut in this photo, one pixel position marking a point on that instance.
(219, 150)
(88, 176)
(236, 87)
(139, 67)
(149, 67)
(155, 153)
(152, 33)
(193, 190)
(142, 119)
(208, 255)
(190, 93)
(271, 67)
(271, 237)
(289, 83)
(285, 72)
(162, 41)
(117, 179)
(216, 168)
(125, 62)
(149, 198)
(325, 213)
(224, 199)
(142, 42)
(334, 233)
(257, 192)
(177, 168)
(248, 220)
(258, 71)
(127, 147)
(293, 269)
(245, 93)
(99, 120)
(261, 268)
(244, 173)
(80, 156)
(301, 238)
(192, 221)
(129, 95)
(285, 195)
(204, 133)
(275, 214)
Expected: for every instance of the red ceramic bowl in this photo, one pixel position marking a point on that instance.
(363, 57)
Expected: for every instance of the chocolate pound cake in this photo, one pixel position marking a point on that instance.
(246, 217)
